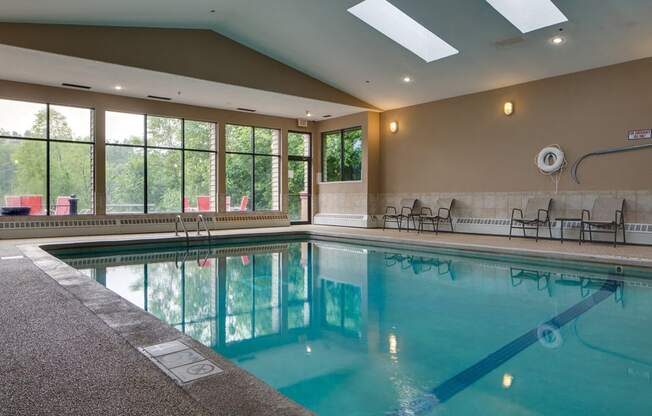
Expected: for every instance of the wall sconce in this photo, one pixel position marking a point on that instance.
(508, 108)
(393, 126)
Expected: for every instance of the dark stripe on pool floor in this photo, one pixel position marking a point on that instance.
(449, 388)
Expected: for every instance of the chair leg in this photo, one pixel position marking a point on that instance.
(581, 232)
(511, 225)
(550, 229)
(452, 229)
(590, 233)
(523, 227)
(537, 233)
(624, 240)
(437, 227)
(384, 223)
(615, 235)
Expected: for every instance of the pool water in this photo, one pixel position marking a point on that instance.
(345, 329)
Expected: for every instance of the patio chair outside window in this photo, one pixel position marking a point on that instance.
(605, 217)
(537, 214)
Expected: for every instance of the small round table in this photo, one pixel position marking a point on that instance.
(561, 229)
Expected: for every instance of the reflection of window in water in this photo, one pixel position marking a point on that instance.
(341, 306)
(298, 298)
(252, 296)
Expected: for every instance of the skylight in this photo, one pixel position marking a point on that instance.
(402, 29)
(529, 15)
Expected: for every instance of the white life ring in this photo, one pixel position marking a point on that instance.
(550, 159)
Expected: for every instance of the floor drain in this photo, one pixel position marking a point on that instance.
(180, 361)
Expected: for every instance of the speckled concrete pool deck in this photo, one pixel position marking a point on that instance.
(68, 346)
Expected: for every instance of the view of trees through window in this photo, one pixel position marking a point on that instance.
(39, 138)
(342, 155)
(252, 168)
(159, 164)
(299, 176)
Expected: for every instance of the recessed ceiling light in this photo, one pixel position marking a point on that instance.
(308, 114)
(557, 40)
(407, 79)
(118, 87)
(402, 29)
(529, 15)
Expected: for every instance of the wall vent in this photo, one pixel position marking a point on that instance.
(158, 97)
(82, 87)
(248, 110)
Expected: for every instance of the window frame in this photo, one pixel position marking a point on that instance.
(47, 140)
(145, 146)
(253, 155)
(324, 176)
(307, 159)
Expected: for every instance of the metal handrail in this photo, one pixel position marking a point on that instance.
(202, 220)
(178, 220)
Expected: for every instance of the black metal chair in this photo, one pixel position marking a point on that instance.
(537, 214)
(407, 213)
(607, 216)
(444, 207)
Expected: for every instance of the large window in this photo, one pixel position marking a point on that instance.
(159, 164)
(252, 168)
(46, 159)
(342, 155)
(299, 176)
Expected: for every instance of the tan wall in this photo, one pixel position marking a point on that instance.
(104, 102)
(466, 148)
(466, 144)
(341, 197)
(201, 54)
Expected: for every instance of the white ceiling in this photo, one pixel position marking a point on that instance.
(320, 38)
(28, 66)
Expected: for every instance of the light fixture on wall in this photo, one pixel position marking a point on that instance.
(508, 108)
(393, 126)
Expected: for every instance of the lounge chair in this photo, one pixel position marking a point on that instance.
(408, 211)
(62, 206)
(537, 214)
(444, 207)
(607, 216)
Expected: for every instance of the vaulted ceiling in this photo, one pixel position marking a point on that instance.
(323, 40)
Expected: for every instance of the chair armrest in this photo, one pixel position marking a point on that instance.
(514, 210)
(446, 210)
(426, 212)
(545, 212)
(587, 213)
(390, 210)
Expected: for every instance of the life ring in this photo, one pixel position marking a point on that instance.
(550, 160)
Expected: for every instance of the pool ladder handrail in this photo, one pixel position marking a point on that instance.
(179, 220)
(202, 220)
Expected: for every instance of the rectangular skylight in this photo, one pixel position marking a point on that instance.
(402, 29)
(529, 15)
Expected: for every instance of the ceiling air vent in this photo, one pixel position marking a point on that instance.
(327, 116)
(158, 97)
(81, 87)
(509, 41)
(248, 110)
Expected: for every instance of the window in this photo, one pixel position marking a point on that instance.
(46, 159)
(342, 155)
(252, 168)
(159, 164)
(299, 177)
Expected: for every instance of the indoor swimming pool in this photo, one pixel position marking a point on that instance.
(348, 329)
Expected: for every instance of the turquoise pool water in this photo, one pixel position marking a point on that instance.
(347, 329)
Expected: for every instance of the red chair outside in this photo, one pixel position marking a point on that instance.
(244, 203)
(203, 203)
(34, 202)
(62, 206)
(12, 201)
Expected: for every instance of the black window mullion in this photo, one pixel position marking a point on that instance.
(183, 164)
(341, 155)
(253, 169)
(145, 210)
(47, 159)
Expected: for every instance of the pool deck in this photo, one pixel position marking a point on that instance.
(68, 346)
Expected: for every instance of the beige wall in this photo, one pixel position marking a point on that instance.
(347, 197)
(104, 102)
(201, 54)
(467, 149)
(466, 144)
